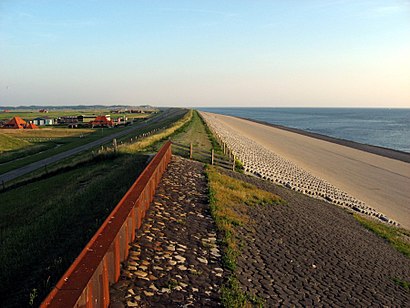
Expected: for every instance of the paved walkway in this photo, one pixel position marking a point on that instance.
(174, 260)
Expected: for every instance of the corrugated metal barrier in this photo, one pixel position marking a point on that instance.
(86, 283)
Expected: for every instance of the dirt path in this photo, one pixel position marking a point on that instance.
(311, 253)
(8, 176)
(174, 260)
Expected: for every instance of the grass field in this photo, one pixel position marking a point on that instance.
(194, 133)
(46, 142)
(21, 139)
(11, 143)
(29, 115)
(45, 223)
(154, 142)
(16, 143)
(146, 144)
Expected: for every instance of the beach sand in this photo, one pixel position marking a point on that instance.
(382, 183)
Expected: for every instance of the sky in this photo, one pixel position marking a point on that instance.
(255, 53)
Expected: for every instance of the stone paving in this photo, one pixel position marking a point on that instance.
(303, 253)
(308, 253)
(174, 260)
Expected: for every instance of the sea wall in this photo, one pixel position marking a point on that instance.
(259, 161)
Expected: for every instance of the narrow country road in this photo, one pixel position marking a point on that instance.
(8, 176)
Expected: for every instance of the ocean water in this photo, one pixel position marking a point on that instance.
(389, 128)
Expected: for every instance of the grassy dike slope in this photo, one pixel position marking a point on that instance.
(45, 224)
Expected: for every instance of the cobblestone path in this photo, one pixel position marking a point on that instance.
(174, 260)
(311, 253)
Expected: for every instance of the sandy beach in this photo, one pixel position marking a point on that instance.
(381, 182)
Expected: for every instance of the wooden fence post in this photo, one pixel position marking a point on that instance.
(212, 156)
(114, 143)
(233, 163)
(190, 151)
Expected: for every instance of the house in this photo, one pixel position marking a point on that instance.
(15, 123)
(67, 120)
(120, 120)
(137, 111)
(86, 118)
(43, 121)
(31, 126)
(102, 121)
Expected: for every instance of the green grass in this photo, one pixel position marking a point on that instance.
(155, 141)
(45, 224)
(27, 143)
(402, 283)
(140, 144)
(10, 160)
(193, 133)
(399, 238)
(28, 146)
(9, 143)
(229, 201)
(29, 115)
(215, 144)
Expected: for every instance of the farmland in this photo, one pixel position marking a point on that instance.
(29, 114)
(45, 222)
(22, 147)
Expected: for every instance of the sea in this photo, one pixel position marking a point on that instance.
(388, 128)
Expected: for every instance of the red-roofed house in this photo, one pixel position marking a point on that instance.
(102, 121)
(31, 126)
(15, 123)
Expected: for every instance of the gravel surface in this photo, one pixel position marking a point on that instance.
(311, 253)
(174, 260)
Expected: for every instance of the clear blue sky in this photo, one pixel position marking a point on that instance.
(205, 53)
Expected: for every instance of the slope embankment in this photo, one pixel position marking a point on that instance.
(379, 182)
(301, 252)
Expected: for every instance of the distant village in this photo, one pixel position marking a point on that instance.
(74, 121)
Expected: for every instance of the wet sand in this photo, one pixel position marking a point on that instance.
(382, 182)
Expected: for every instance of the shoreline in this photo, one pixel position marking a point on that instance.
(366, 178)
(373, 149)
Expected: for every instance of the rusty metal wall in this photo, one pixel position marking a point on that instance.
(86, 283)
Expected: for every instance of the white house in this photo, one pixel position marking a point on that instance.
(43, 121)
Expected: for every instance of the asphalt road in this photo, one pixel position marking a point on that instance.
(8, 176)
(383, 183)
